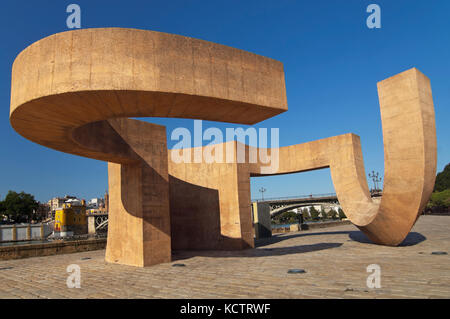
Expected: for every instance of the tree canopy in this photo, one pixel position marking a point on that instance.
(314, 213)
(440, 199)
(286, 218)
(443, 180)
(19, 207)
(341, 213)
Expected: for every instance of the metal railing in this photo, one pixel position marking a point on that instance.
(310, 196)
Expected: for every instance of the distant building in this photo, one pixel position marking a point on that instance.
(70, 219)
(58, 202)
(75, 202)
(42, 212)
(96, 203)
(106, 202)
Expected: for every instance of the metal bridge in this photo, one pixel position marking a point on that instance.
(101, 224)
(274, 210)
(279, 205)
(311, 198)
(98, 221)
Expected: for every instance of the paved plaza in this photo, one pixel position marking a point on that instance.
(335, 261)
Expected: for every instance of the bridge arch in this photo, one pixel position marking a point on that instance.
(283, 209)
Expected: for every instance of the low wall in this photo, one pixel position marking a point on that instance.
(22, 232)
(51, 248)
(295, 227)
(327, 224)
(442, 211)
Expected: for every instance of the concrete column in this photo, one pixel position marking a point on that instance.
(139, 219)
(91, 225)
(14, 232)
(262, 220)
(210, 204)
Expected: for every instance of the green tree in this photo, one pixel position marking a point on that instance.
(2, 208)
(443, 180)
(19, 207)
(332, 214)
(314, 213)
(305, 214)
(440, 199)
(288, 217)
(341, 213)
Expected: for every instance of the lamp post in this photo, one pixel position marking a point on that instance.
(262, 190)
(375, 178)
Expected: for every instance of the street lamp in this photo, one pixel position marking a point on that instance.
(262, 190)
(375, 178)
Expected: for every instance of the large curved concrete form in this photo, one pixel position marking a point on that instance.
(74, 92)
(410, 158)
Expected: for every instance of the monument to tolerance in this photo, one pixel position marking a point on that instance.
(75, 92)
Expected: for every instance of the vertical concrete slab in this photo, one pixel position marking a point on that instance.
(139, 218)
(262, 221)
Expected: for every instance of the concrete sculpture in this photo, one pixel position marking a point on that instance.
(75, 91)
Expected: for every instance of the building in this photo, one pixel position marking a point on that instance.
(98, 206)
(106, 201)
(57, 202)
(70, 219)
(42, 212)
(96, 202)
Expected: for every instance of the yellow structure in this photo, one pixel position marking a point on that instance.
(70, 220)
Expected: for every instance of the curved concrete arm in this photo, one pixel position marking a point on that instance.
(73, 92)
(410, 156)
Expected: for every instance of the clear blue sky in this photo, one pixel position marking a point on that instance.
(332, 63)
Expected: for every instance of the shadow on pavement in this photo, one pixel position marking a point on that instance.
(280, 237)
(412, 239)
(257, 252)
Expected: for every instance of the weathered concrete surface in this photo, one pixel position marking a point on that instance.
(410, 162)
(212, 201)
(78, 77)
(139, 217)
(74, 90)
(69, 89)
(410, 153)
(261, 219)
(335, 260)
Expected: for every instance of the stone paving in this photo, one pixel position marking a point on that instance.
(335, 261)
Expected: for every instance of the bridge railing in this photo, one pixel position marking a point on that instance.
(314, 196)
